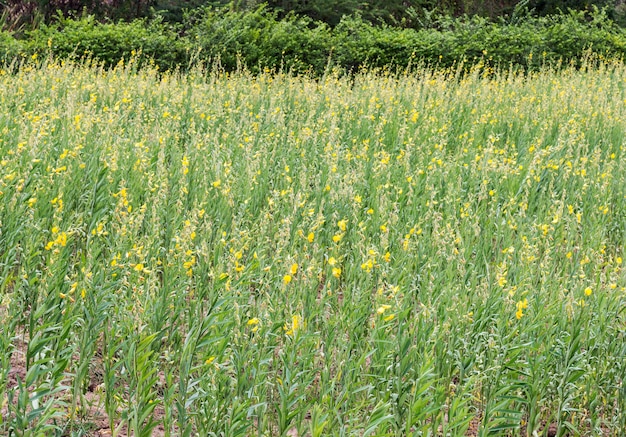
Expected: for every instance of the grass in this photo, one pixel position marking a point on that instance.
(432, 253)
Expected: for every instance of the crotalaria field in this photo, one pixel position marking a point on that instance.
(432, 253)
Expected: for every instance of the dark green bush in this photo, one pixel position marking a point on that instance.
(528, 43)
(10, 48)
(258, 39)
(109, 42)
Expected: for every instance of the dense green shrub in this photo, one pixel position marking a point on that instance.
(259, 39)
(110, 42)
(10, 48)
(532, 42)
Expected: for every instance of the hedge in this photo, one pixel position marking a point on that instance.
(258, 39)
(109, 42)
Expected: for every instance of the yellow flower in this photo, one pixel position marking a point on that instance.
(310, 237)
(254, 323)
(287, 279)
(185, 163)
(294, 268)
(296, 323)
(381, 309)
(98, 230)
(189, 264)
(336, 272)
(588, 291)
(368, 265)
(216, 183)
(337, 238)
(342, 224)
(332, 261)
(61, 239)
(521, 305)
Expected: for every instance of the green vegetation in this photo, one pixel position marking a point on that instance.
(401, 13)
(259, 40)
(424, 253)
(108, 42)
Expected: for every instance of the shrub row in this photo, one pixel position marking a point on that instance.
(258, 39)
(109, 42)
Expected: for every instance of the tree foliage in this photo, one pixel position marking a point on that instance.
(398, 13)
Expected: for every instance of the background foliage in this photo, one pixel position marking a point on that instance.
(260, 39)
(404, 13)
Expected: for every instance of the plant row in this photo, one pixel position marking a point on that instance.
(258, 40)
